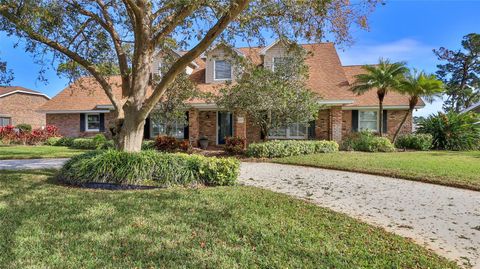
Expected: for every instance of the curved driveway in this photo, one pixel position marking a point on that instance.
(444, 219)
(31, 164)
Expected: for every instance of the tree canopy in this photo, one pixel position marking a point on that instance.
(85, 36)
(6, 75)
(461, 73)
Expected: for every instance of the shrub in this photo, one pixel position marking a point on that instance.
(84, 143)
(235, 145)
(452, 131)
(100, 140)
(148, 168)
(367, 141)
(414, 141)
(276, 149)
(170, 144)
(9, 135)
(65, 142)
(24, 128)
(148, 144)
(52, 141)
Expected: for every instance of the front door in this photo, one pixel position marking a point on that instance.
(224, 126)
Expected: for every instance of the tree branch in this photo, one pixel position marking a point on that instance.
(67, 52)
(235, 8)
(173, 21)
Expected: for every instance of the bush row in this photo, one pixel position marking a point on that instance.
(414, 141)
(367, 141)
(149, 168)
(24, 135)
(276, 149)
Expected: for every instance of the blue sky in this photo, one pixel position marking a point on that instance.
(402, 30)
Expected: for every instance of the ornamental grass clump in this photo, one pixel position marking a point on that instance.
(278, 149)
(149, 168)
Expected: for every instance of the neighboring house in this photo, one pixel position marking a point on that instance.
(83, 109)
(473, 108)
(19, 105)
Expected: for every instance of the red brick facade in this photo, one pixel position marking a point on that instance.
(22, 108)
(331, 124)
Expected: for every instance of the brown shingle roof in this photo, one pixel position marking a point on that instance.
(4, 90)
(327, 77)
(370, 98)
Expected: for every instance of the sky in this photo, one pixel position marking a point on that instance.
(401, 30)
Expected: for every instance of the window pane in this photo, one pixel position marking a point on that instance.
(4, 121)
(223, 70)
(367, 120)
(279, 132)
(93, 122)
(297, 130)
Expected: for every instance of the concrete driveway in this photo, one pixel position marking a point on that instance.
(444, 219)
(31, 164)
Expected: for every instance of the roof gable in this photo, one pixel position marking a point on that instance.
(9, 90)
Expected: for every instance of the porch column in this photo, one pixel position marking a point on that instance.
(240, 125)
(193, 126)
(336, 123)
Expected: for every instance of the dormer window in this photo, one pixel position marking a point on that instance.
(222, 70)
(280, 61)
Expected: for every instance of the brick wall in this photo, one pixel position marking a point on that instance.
(322, 124)
(208, 126)
(347, 122)
(193, 126)
(253, 132)
(394, 118)
(22, 108)
(336, 122)
(69, 124)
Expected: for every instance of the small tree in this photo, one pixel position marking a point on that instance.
(418, 85)
(272, 99)
(383, 77)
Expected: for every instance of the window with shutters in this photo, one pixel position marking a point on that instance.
(5, 121)
(368, 120)
(291, 131)
(92, 122)
(222, 70)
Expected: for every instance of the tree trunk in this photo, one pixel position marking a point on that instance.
(381, 96)
(130, 137)
(401, 125)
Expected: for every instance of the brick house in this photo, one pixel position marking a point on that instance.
(19, 105)
(83, 109)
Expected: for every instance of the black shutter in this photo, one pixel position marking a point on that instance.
(102, 122)
(82, 122)
(385, 122)
(354, 120)
(311, 130)
(146, 129)
(185, 129)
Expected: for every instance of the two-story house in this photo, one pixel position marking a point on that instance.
(83, 109)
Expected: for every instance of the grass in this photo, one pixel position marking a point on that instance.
(44, 225)
(37, 152)
(458, 169)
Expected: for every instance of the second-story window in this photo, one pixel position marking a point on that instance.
(279, 62)
(223, 70)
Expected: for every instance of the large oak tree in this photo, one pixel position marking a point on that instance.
(90, 37)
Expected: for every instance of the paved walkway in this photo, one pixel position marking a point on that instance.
(444, 219)
(31, 164)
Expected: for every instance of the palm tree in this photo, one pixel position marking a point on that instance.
(383, 77)
(418, 85)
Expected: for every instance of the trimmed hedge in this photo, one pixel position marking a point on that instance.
(368, 142)
(149, 168)
(415, 141)
(285, 148)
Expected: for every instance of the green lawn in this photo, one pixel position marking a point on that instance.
(37, 152)
(47, 225)
(460, 169)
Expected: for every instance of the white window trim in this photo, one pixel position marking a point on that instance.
(214, 73)
(288, 136)
(86, 122)
(176, 127)
(358, 120)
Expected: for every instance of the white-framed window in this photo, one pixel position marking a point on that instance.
(92, 122)
(222, 70)
(158, 128)
(279, 61)
(291, 131)
(5, 121)
(368, 120)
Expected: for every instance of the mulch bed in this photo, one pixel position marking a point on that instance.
(115, 187)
